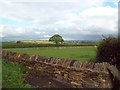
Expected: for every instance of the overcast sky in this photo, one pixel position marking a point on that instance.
(72, 19)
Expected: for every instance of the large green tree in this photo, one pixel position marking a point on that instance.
(57, 39)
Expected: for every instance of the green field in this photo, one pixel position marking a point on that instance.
(82, 53)
(37, 41)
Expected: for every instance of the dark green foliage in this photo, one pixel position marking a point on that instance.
(108, 51)
(56, 39)
(18, 42)
(23, 45)
(29, 45)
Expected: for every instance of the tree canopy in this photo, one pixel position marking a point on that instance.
(57, 39)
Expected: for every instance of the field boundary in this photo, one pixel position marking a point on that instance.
(73, 72)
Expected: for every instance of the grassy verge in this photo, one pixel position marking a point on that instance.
(0, 73)
(13, 75)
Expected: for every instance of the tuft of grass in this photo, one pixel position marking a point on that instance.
(13, 75)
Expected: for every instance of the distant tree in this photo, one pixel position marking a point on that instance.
(56, 39)
(18, 42)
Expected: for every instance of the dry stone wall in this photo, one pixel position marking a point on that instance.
(76, 73)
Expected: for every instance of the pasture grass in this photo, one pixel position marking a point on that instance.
(37, 41)
(83, 53)
(13, 75)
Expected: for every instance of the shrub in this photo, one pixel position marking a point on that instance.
(108, 51)
(18, 42)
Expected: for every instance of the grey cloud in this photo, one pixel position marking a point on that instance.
(44, 16)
